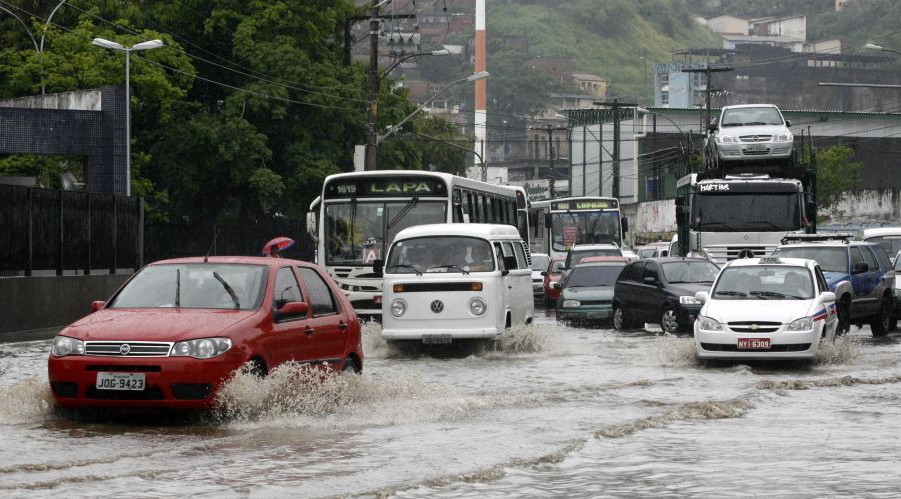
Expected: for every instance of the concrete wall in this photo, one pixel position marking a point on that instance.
(32, 304)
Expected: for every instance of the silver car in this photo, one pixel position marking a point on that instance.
(748, 132)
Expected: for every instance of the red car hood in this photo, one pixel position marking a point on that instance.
(158, 324)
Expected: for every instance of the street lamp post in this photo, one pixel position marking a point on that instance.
(372, 137)
(482, 165)
(473, 77)
(148, 45)
(873, 46)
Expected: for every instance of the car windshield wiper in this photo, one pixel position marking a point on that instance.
(405, 266)
(730, 293)
(771, 294)
(231, 292)
(753, 123)
(724, 125)
(450, 266)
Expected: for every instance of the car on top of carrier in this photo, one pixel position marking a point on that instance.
(444, 283)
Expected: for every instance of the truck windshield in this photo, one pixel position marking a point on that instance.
(356, 233)
(746, 212)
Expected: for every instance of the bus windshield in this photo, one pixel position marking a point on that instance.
(356, 233)
(584, 227)
(746, 212)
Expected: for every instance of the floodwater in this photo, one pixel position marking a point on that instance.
(551, 411)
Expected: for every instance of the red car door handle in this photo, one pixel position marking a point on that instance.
(342, 325)
(309, 330)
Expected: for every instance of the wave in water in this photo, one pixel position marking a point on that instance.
(25, 402)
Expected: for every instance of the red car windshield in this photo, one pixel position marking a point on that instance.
(195, 285)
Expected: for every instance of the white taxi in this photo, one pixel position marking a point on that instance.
(766, 308)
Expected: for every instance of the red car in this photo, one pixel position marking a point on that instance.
(553, 274)
(179, 328)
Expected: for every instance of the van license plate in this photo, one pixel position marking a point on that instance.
(120, 381)
(437, 339)
(753, 343)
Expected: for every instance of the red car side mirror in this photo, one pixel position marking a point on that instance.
(293, 308)
(97, 305)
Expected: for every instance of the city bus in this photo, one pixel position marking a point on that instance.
(358, 214)
(563, 222)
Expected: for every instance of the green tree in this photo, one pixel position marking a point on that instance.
(836, 173)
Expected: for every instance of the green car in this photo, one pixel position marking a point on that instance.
(587, 290)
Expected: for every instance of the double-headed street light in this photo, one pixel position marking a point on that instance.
(148, 45)
(473, 77)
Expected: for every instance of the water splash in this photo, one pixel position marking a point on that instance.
(676, 351)
(25, 401)
(842, 351)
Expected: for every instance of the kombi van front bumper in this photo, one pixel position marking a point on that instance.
(439, 335)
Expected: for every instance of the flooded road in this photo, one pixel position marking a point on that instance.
(554, 411)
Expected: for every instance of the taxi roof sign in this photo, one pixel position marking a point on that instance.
(770, 259)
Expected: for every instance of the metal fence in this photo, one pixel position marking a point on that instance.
(54, 232)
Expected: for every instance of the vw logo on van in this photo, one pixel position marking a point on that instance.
(437, 306)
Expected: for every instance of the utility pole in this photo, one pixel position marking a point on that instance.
(617, 115)
(374, 80)
(707, 91)
(550, 155)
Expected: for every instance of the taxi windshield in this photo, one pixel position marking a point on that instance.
(764, 282)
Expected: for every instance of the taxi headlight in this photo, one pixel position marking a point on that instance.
(726, 139)
(478, 306)
(570, 303)
(708, 324)
(203, 348)
(64, 345)
(802, 324)
(689, 300)
(398, 308)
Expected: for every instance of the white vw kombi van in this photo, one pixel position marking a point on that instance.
(448, 282)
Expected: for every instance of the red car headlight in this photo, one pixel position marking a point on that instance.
(64, 345)
(203, 348)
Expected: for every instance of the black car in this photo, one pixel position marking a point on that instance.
(661, 290)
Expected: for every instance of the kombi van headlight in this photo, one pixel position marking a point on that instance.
(708, 324)
(478, 306)
(802, 324)
(64, 345)
(570, 303)
(203, 348)
(689, 300)
(398, 308)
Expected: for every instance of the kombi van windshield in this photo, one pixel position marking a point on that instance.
(440, 254)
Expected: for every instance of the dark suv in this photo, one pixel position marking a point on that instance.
(859, 273)
(661, 290)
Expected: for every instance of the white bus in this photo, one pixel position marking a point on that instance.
(561, 223)
(359, 213)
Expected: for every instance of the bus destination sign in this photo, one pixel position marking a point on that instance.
(584, 204)
(386, 187)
